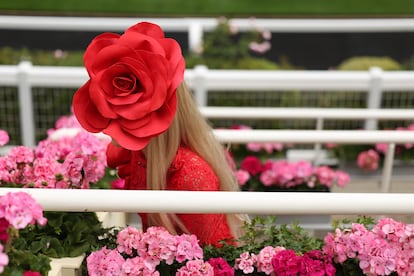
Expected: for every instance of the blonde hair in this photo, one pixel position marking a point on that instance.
(188, 128)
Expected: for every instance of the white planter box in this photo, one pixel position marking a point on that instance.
(66, 266)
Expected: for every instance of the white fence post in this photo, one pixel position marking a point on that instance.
(26, 104)
(195, 37)
(200, 89)
(374, 95)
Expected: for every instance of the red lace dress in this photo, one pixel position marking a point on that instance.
(188, 172)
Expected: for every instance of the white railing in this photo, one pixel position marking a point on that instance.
(201, 80)
(132, 201)
(195, 27)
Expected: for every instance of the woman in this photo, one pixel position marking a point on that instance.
(136, 94)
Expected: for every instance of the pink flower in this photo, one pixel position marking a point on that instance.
(195, 268)
(381, 147)
(21, 154)
(264, 258)
(20, 209)
(260, 48)
(4, 137)
(138, 266)
(325, 175)
(105, 262)
(188, 248)
(246, 262)
(342, 178)
(255, 147)
(368, 160)
(242, 177)
(4, 259)
(221, 267)
(128, 239)
(267, 178)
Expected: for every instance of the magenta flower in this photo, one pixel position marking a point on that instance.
(286, 262)
(118, 184)
(221, 267)
(252, 165)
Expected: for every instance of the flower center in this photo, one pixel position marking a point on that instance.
(124, 83)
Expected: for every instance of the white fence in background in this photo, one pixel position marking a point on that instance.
(195, 27)
(202, 80)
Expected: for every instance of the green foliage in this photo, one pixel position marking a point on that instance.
(239, 8)
(66, 234)
(224, 48)
(26, 260)
(261, 232)
(366, 62)
(57, 57)
(367, 221)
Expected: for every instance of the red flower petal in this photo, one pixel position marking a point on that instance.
(86, 112)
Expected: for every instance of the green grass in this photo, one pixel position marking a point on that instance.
(230, 8)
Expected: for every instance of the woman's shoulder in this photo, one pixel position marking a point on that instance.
(191, 171)
(186, 157)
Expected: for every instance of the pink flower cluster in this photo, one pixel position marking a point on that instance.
(68, 158)
(4, 137)
(144, 251)
(281, 261)
(368, 160)
(284, 174)
(388, 247)
(17, 211)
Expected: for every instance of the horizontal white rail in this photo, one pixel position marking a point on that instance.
(184, 24)
(195, 27)
(201, 80)
(130, 201)
(360, 137)
(269, 113)
(240, 80)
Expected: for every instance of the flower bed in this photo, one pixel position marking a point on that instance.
(384, 248)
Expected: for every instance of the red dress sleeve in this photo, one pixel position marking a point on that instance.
(189, 172)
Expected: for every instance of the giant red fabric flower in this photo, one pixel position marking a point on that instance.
(131, 93)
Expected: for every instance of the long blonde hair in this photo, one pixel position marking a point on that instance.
(191, 129)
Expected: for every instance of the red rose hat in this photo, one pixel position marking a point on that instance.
(131, 93)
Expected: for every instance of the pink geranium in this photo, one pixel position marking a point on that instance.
(4, 137)
(242, 177)
(283, 174)
(385, 249)
(4, 259)
(246, 262)
(20, 209)
(67, 158)
(196, 268)
(368, 160)
(141, 252)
